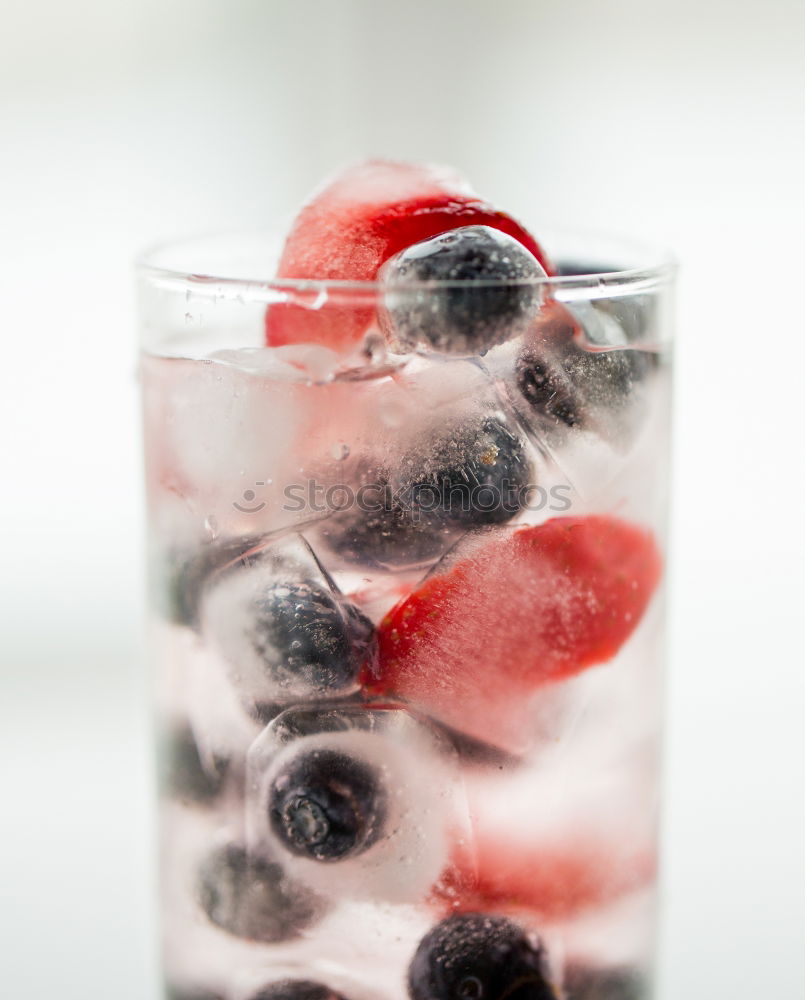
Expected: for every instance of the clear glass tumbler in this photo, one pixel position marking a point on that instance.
(407, 617)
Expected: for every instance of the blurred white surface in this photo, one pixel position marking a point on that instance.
(125, 123)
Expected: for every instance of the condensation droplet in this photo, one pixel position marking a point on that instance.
(340, 451)
(211, 526)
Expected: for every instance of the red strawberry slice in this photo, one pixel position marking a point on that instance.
(555, 881)
(350, 228)
(521, 610)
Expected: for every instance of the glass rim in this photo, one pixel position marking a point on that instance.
(660, 267)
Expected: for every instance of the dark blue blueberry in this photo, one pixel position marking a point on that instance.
(296, 989)
(384, 533)
(182, 772)
(253, 898)
(473, 480)
(591, 983)
(467, 476)
(475, 956)
(546, 389)
(327, 805)
(564, 383)
(304, 635)
(491, 296)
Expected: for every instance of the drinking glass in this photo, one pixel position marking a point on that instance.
(407, 630)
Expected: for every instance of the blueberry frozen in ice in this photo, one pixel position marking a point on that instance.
(469, 477)
(476, 956)
(361, 801)
(485, 292)
(327, 805)
(362, 217)
(253, 898)
(286, 637)
(300, 629)
(578, 370)
(468, 474)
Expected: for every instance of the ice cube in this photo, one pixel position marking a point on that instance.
(581, 391)
(578, 371)
(194, 691)
(286, 633)
(211, 435)
(458, 462)
(478, 291)
(359, 803)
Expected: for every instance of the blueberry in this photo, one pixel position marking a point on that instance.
(253, 898)
(467, 476)
(491, 296)
(326, 805)
(384, 533)
(474, 956)
(182, 772)
(296, 989)
(589, 983)
(286, 638)
(567, 384)
(474, 479)
(302, 633)
(546, 389)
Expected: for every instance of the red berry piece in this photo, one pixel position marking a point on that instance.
(517, 612)
(350, 228)
(554, 881)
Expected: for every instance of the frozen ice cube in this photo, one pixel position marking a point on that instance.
(361, 803)
(478, 291)
(578, 371)
(195, 692)
(459, 462)
(286, 633)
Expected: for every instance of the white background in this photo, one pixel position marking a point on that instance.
(127, 121)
